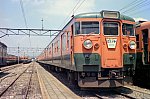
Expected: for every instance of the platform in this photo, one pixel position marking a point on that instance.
(51, 87)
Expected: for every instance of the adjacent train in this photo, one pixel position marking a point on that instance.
(96, 49)
(142, 73)
(8, 59)
(3, 54)
(12, 59)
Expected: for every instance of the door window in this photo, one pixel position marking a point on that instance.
(110, 28)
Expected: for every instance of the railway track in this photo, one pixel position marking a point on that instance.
(7, 68)
(29, 84)
(9, 87)
(118, 93)
(109, 94)
(124, 95)
(133, 92)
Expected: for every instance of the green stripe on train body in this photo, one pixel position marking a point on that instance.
(87, 61)
(129, 59)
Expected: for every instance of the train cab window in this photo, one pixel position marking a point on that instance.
(77, 28)
(110, 28)
(90, 27)
(128, 29)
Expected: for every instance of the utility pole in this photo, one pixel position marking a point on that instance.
(42, 24)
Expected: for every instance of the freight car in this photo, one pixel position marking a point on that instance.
(142, 73)
(3, 54)
(97, 49)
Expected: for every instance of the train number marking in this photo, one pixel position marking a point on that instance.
(111, 42)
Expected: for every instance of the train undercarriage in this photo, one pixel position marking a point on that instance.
(107, 78)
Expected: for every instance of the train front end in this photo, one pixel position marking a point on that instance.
(103, 48)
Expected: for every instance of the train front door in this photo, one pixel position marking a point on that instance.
(111, 45)
(145, 46)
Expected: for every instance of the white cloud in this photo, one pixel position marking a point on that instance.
(56, 11)
(63, 7)
(140, 19)
(57, 7)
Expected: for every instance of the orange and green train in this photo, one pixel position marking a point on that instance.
(142, 72)
(96, 49)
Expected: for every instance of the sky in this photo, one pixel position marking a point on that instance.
(56, 13)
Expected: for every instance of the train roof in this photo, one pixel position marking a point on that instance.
(147, 24)
(99, 15)
(143, 25)
(2, 44)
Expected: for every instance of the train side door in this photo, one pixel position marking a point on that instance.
(111, 45)
(145, 46)
(71, 44)
(63, 47)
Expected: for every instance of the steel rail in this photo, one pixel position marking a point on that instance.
(125, 95)
(29, 84)
(9, 68)
(1, 94)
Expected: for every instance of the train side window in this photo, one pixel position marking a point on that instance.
(64, 43)
(128, 29)
(110, 28)
(77, 27)
(58, 46)
(68, 38)
(137, 41)
(50, 50)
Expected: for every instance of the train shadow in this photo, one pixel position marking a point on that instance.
(86, 92)
(2, 74)
(124, 90)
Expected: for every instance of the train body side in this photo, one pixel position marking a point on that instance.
(109, 58)
(143, 54)
(3, 54)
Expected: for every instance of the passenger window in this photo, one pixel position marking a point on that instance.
(110, 28)
(90, 27)
(128, 29)
(64, 43)
(68, 38)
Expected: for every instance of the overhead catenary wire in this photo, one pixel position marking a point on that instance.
(75, 8)
(141, 11)
(136, 7)
(79, 6)
(23, 13)
(68, 16)
(129, 9)
(130, 4)
(140, 8)
(25, 20)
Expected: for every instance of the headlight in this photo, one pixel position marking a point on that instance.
(132, 45)
(87, 44)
